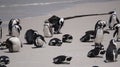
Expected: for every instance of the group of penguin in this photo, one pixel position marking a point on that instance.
(97, 36)
(53, 26)
(14, 44)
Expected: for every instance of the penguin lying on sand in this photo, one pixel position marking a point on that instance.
(4, 60)
(62, 59)
(55, 42)
(96, 51)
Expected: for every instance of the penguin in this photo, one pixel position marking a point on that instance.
(111, 52)
(57, 23)
(89, 36)
(99, 35)
(14, 44)
(39, 40)
(113, 20)
(13, 21)
(99, 49)
(117, 32)
(4, 60)
(48, 30)
(62, 59)
(16, 30)
(67, 38)
(55, 42)
(29, 35)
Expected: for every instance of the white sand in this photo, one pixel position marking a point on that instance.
(42, 57)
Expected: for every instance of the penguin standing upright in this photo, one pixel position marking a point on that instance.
(47, 30)
(113, 20)
(13, 44)
(111, 52)
(99, 36)
(117, 32)
(12, 22)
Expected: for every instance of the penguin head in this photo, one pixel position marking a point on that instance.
(101, 24)
(117, 26)
(68, 58)
(4, 60)
(67, 38)
(61, 20)
(112, 41)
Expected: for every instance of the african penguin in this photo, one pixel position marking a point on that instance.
(62, 59)
(57, 23)
(111, 52)
(55, 42)
(67, 38)
(29, 35)
(4, 60)
(113, 20)
(99, 49)
(14, 44)
(47, 30)
(13, 21)
(39, 40)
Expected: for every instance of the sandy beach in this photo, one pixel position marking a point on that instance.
(36, 57)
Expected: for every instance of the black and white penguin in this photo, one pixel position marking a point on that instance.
(99, 49)
(117, 32)
(13, 44)
(100, 23)
(99, 35)
(16, 30)
(29, 35)
(55, 42)
(113, 20)
(4, 60)
(62, 59)
(67, 38)
(57, 23)
(111, 52)
(89, 36)
(14, 21)
(47, 30)
(39, 40)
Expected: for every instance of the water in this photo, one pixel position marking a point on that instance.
(30, 8)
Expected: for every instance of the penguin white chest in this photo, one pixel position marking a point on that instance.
(15, 31)
(99, 36)
(16, 43)
(47, 31)
(39, 42)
